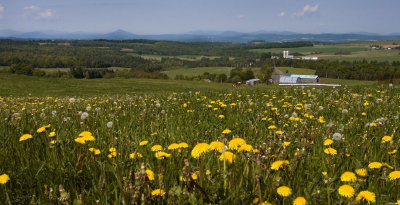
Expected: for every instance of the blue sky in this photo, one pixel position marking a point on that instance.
(178, 16)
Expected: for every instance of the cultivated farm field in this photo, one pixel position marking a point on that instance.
(214, 146)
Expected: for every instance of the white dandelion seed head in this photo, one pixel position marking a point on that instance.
(97, 109)
(345, 111)
(84, 115)
(337, 136)
(72, 100)
(110, 124)
(88, 108)
(320, 108)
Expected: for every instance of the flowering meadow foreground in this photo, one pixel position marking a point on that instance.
(278, 146)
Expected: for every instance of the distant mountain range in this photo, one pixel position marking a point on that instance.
(203, 36)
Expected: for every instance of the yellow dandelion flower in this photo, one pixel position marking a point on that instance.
(217, 146)
(208, 172)
(278, 164)
(286, 144)
(25, 137)
(300, 201)
(255, 151)
(271, 127)
(80, 140)
(52, 142)
(200, 149)
(42, 129)
(97, 152)
(394, 175)
(398, 202)
(4, 178)
(226, 131)
(173, 146)
(194, 176)
(135, 155)
(143, 143)
(183, 145)
(161, 155)
(88, 138)
(284, 191)
(366, 196)
(372, 124)
(386, 139)
(387, 165)
(156, 148)
(362, 172)
(221, 116)
(52, 134)
(325, 173)
(346, 191)
(228, 156)
(375, 165)
(245, 148)
(112, 149)
(348, 177)
(150, 174)
(235, 143)
(85, 133)
(158, 192)
(328, 142)
(330, 151)
(279, 132)
(393, 151)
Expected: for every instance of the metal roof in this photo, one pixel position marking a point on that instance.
(304, 76)
(288, 79)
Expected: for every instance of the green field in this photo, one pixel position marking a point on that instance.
(356, 50)
(190, 72)
(136, 141)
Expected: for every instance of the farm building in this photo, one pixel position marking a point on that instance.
(289, 79)
(307, 78)
(252, 81)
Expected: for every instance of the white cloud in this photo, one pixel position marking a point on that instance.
(241, 16)
(31, 8)
(307, 9)
(282, 14)
(38, 13)
(1, 11)
(46, 14)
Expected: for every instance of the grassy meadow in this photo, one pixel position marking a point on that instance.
(134, 141)
(344, 51)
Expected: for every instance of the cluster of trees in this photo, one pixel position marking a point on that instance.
(357, 70)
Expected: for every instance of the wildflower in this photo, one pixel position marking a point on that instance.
(142, 143)
(286, 144)
(150, 174)
(321, 119)
(110, 124)
(362, 172)
(271, 127)
(173, 146)
(135, 155)
(208, 172)
(194, 176)
(348, 177)
(386, 139)
(25, 137)
(278, 164)
(375, 165)
(217, 146)
(279, 132)
(328, 142)
(183, 145)
(200, 149)
(52, 134)
(80, 140)
(42, 129)
(337, 136)
(221, 116)
(245, 148)
(235, 143)
(162, 155)
(97, 152)
(84, 115)
(158, 192)
(372, 124)
(387, 165)
(366, 196)
(228, 156)
(226, 131)
(4, 178)
(299, 201)
(156, 148)
(394, 175)
(52, 142)
(346, 191)
(330, 151)
(325, 173)
(284, 191)
(85, 133)
(393, 151)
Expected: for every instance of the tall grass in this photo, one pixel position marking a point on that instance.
(63, 171)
